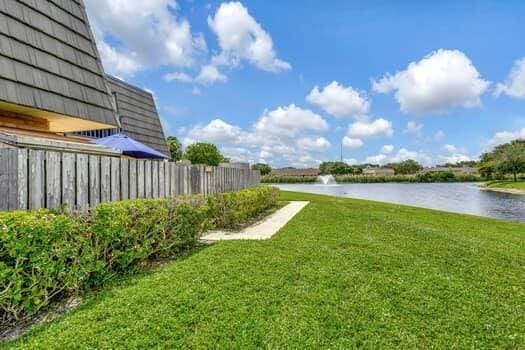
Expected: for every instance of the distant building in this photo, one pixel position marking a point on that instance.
(379, 171)
(295, 172)
(454, 170)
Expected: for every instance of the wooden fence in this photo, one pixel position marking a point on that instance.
(32, 179)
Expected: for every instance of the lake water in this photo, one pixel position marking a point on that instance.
(464, 198)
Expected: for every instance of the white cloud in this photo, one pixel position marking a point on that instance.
(147, 32)
(209, 75)
(319, 144)
(455, 158)
(289, 121)
(279, 136)
(352, 142)
(242, 38)
(118, 63)
(405, 154)
(437, 137)
(413, 128)
(514, 86)
(440, 81)
(350, 161)
(216, 131)
(454, 154)
(377, 159)
(365, 129)
(399, 156)
(340, 101)
(387, 149)
(502, 137)
(451, 149)
(178, 76)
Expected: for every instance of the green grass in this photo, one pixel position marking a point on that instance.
(342, 274)
(519, 185)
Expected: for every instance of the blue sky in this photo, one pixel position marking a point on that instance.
(286, 82)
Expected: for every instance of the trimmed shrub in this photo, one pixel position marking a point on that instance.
(236, 208)
(42, 254)
(129, 233)
(45, 255)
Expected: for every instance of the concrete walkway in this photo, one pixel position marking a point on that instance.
(262, 230)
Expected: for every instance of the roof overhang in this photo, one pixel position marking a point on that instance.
(55, 122)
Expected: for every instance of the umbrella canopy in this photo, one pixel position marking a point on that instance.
(129, 147)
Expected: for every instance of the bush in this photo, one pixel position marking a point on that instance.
(236, 208)
(287, 179)
(42, 254)
(45, 255)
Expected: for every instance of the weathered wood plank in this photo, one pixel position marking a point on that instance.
(94, 180)
(36, 180)
(82, 182)
(5, 170)
(177, 181)
(132, 179)
(141, 179)
(162, 183)
(167, 179)
(124, 176)
(53, 176)
(16, 163)
(68, 180)
(155, 179)
(115, 179)
(22, 179)
(105, 179)
(147, 179)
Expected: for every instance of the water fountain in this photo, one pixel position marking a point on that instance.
(326, 180)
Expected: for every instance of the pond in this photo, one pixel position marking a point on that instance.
(466, 198)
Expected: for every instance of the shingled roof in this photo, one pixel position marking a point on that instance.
(138, 115)
(50, 67)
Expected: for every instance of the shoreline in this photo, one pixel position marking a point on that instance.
(503, 190)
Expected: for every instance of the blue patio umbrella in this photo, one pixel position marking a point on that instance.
(129, 147)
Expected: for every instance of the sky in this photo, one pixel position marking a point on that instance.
(291, 83)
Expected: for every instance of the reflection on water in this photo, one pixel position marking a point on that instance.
(464, 198)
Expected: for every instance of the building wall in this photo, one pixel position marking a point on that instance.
(138, 115)
(49, 62)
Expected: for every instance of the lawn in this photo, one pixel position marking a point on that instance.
(519, 185)
(342, 274)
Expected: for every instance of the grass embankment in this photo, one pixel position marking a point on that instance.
(343, 273)
(507, 186)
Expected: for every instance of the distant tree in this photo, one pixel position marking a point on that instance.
(204, 153)
(263, 168)
(175, 148)
(336, 168)
(508, 158)
(406, 167)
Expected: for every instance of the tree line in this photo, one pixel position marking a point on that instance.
(505, 159)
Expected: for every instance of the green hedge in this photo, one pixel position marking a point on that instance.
(46, 255)
(235, 208)
(430, 177)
